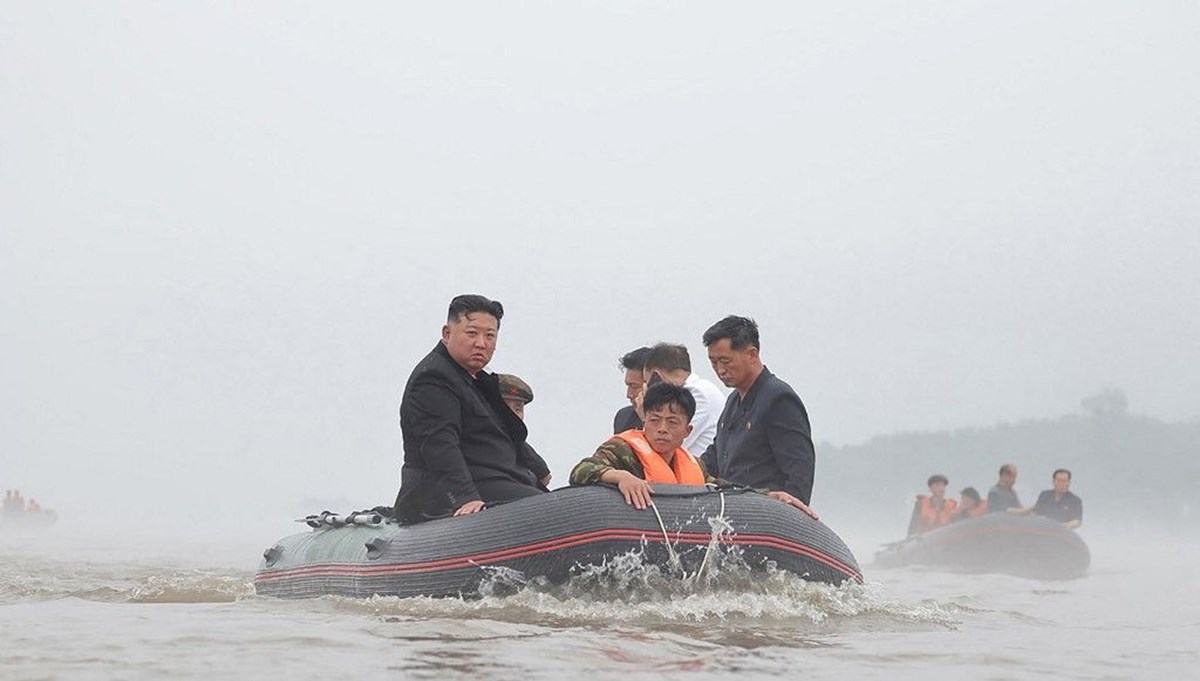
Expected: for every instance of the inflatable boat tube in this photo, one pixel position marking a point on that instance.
(552, 535)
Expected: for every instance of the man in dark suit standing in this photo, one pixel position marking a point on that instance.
(463, 448)
(763, 437)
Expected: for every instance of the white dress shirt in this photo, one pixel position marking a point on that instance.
(710, 402)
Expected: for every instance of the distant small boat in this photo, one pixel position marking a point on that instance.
(550, 535)
(1025, 546)
(22, 519)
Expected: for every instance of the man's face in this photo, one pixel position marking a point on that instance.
(968, 503)
(667, 426)
(1009, 479)
(517, 407)
(471, 340)
(735, 368)
(633, 384)
(938, 489)
(1062, 482)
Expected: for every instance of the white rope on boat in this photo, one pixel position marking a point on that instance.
(708, 551)
(667, 540)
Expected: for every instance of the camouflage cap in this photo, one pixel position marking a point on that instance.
(513, 388)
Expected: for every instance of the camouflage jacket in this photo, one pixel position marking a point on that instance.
(616, 454)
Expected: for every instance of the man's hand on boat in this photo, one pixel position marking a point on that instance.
(635, 490)
(469, 508)
(793, 501)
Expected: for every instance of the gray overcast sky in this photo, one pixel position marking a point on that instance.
(228, 230)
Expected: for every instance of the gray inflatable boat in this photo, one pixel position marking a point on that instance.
(1025, 546)
(552, 536)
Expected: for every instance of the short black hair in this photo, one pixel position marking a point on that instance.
(937, 477)
(971, 493)
(662, 394)
(1061, 470)
(742, 333)
(634, 359)
(470, 303)
(1007, 469)
(668, 357)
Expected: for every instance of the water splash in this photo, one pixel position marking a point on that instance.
(627, 589)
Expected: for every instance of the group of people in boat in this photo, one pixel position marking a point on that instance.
(465, 439)
(936, 510)
(16, 508)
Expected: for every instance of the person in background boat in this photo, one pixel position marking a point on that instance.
(1059, 503)
(13, 503)
(632, 363)
(1002, 496)
(970, 505)
(932, 510)
(517, 394)
(635, 459)
(671, 363)
(463, 448)
(763, 436)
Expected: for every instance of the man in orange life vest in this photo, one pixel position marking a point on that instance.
(932, 510)
(634, 459)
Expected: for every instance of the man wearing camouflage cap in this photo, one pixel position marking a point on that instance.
(517, 394)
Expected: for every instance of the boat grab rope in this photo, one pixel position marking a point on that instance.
(704, 563)
(667, 540)
(675, 562)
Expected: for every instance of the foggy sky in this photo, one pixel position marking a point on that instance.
(228, 232)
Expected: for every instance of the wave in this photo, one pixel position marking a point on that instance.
(36, 579)
(631, 591)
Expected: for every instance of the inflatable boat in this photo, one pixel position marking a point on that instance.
(1025, 546)
(551, 536)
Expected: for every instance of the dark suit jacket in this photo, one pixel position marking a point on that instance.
(764, 441)
(625, 419)
(457, 431)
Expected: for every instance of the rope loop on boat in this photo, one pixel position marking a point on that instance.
(709, 549)
(667, 540)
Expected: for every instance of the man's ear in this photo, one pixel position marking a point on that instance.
(445, 333)
(690, 429)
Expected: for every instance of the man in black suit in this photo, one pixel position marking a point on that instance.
(463, 448)
(763, 436)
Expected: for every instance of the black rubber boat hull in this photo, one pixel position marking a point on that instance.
(1025, 546)
(551, 536)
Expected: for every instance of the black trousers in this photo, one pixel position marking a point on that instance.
(500, 491)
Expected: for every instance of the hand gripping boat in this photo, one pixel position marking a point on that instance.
(551, 535)
(1024, 546)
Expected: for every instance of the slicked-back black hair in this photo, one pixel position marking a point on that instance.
(662, 394)
(1061, 470)
(470, 303)
(742, 332)
(668, 357)
(634, 360)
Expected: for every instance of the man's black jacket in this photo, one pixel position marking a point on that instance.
(457, 431)
(764, 440)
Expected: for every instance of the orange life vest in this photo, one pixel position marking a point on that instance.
(683, 469)
(931, 516)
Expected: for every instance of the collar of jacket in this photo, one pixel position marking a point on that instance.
(752, 393)
(440, 348)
